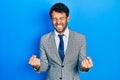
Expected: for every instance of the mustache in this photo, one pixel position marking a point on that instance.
(59, 25)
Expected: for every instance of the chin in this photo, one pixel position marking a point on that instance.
(59, 31)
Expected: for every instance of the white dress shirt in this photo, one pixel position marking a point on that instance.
(65, 39)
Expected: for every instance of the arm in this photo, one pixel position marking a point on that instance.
(85, 63)
(82, 52)
(43, 57)
(39, 65)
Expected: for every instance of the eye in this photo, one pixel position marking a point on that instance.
(62, 18)
(54, 19)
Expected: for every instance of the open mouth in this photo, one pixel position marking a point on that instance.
(59, 26)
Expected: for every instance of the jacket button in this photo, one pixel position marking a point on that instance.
(60, 78)
(62, 66)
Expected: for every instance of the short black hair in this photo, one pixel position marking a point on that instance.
(59, 7)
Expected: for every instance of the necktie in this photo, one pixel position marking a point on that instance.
(61, 47)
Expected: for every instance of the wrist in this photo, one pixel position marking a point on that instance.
(36, 68)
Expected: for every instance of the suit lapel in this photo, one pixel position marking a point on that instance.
(55, 47)
(68, 47)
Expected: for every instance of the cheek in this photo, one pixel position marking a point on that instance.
(54, 22)
(64, 22)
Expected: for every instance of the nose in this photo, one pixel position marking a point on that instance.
(58, 21)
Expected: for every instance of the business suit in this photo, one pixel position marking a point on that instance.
(50, 60)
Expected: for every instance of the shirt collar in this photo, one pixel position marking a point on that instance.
(66, 33)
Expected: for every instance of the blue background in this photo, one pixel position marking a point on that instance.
(23, 22)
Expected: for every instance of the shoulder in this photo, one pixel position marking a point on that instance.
(47, 36)
(76, 34)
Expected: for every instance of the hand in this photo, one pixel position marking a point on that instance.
(34, 62)
(86, 64)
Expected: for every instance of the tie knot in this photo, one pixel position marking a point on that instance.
(61, 36)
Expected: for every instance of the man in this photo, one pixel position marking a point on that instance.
(63, 51)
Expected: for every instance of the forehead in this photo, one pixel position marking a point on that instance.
(58, 14)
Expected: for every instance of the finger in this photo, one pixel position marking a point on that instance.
(87, 64)
(32, 60)
(36, 62)
(84, 65)
(90, 61)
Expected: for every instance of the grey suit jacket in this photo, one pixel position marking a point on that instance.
(51, 62)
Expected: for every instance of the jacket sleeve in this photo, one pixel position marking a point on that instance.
(43, 57)
(82, 53)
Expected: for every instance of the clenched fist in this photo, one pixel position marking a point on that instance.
(86, 64)
(34, 62)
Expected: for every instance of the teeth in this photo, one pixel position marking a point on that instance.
(59, 26)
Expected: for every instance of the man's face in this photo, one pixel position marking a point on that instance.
(59, 21)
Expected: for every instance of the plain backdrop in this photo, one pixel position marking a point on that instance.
(23, 22)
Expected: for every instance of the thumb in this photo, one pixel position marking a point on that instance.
(34, 56)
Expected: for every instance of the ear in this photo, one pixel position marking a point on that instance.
(68, 18)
